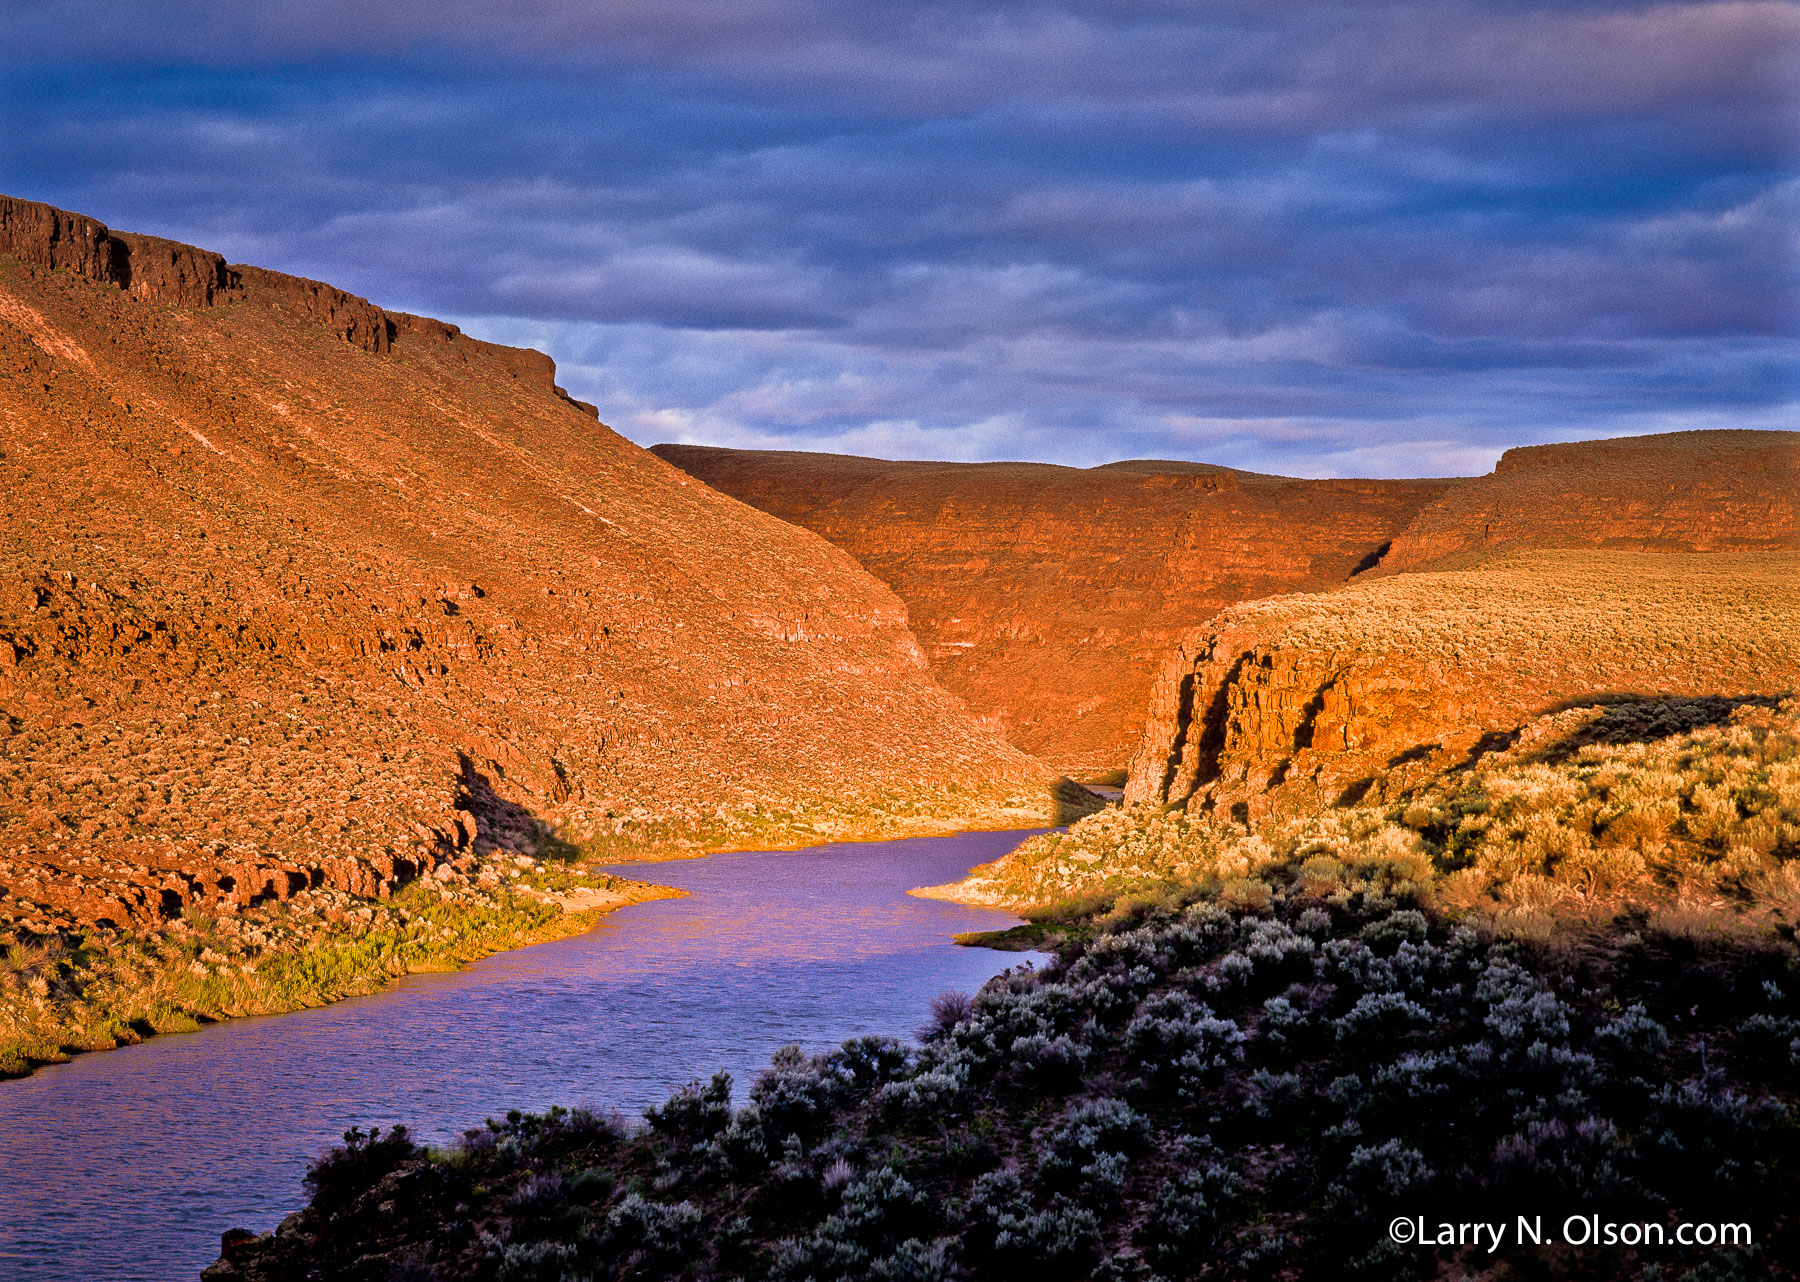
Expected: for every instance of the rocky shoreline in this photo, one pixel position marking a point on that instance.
(73, 990)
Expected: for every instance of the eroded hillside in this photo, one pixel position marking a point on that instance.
(1048, 597)
(296, 593)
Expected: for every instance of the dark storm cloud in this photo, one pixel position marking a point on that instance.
(1307, 238)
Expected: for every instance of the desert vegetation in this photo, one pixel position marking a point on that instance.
(1548, 606)
(1680, 812)
(1559, 982)
(67, 991)
(1189, 1090)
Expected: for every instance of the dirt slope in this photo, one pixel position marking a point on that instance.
(1288, 706)
(295, 591)
(1049, 596)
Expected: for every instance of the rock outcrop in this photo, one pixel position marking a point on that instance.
(297, 592)
(1289, 706)
(172, 274)
(1675, 492)
(1048, 597)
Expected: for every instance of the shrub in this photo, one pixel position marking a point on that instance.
(1190, 1217)
(651, 1236)
(1412, 1067)
(694, 1114)
(338, 1174)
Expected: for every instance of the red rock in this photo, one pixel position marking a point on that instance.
(1048, 597)
(1678, 491)
(299, 592)
(1290, 706)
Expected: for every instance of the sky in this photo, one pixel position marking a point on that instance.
(1376, 239)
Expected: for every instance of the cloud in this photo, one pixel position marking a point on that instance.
(1314, 237)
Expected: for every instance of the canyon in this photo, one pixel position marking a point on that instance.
(305, 602)
(1051, 598)
(300, 594)
(1048, 597)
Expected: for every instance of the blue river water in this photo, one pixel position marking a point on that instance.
(128, 1164)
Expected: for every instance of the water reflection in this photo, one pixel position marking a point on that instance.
(127, 1165)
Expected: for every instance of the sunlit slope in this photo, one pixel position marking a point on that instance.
(293, 589)
(1293, 704)
(1672, 492)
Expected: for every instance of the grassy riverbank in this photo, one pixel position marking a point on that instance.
(878, 816)
(101, 989)
(1681, 813)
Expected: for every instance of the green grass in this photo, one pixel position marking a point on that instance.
(105, 989)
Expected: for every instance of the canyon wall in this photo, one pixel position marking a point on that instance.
(154, 270)
(1673, 492)
(295, 591)
(1048, 597)
(1285, 707)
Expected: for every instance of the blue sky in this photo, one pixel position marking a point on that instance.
(1315, 239)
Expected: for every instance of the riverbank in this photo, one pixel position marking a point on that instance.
(100, 989)
(140, 1156)
(888, 816)
(73, 989)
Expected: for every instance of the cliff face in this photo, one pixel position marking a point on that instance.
(1049, 596)
(169, 273)
(1680, 491)
(1284, 707)
(298, 592)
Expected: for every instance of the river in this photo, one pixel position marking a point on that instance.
(127, 1164)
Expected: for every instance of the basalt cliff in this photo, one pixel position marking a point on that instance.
(1650, 567)
(1298, 704)
(1049, 597)
(298, 593)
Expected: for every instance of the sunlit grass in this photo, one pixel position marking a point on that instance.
(65, 994)
(1701, 826)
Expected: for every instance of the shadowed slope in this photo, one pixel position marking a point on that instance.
(298, 592)
(1047, 596)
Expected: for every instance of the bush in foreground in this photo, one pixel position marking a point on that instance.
(1207, 1092)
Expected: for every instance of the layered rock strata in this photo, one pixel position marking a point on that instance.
(296, 592)
(1289, 706)
(1049, 596)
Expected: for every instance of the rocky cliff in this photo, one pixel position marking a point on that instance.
(298, 592)
(1049, 596)
(1679, 491)
(1288, 706)
(154, 270)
